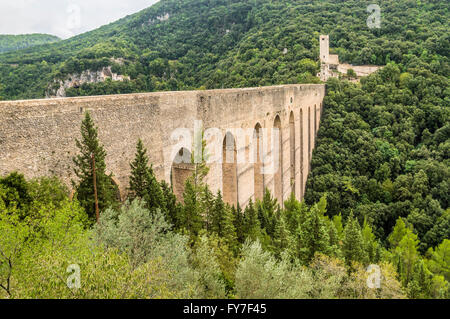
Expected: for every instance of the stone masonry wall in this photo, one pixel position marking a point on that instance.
(37, 137)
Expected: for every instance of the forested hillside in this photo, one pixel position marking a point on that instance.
(383, 151)
(190, 44)
(22, 41)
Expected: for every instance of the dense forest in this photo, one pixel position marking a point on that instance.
(152, 246)
(377, 193)
(194, 44)
(22, 41)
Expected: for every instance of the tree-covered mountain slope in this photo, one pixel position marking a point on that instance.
(16, 42)
(383, 152)
(190, 44)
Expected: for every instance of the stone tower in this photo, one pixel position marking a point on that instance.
(324, 48)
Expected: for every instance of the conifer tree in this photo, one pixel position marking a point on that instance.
(239, 222)
(90, 150)
(312, 235)
(173, 208)
(282, 238)
(398, 232)
(420, 285)
(293, 212)
(191, 219)
(334, 237)
(223, 221)
(143, 183)
(252, 226)
(352, 245)
(337, 221)
(406, 255)
(369, 242)
(139, 169)
(196, 201)
(207, 201)
(228, 229)
(267, 208)
(217, 214)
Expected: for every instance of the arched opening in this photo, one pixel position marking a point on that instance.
(182, 169)
(257, 157)
(229, 170)
(278, 165)
(292, 148)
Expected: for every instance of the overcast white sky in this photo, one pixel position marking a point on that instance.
(63, 18)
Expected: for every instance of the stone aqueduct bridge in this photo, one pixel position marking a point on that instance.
(37, 137)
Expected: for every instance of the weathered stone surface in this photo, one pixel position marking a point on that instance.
(37, 137)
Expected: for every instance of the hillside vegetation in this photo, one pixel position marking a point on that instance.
(22, 41)
(191, 44)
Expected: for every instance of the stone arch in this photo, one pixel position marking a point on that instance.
(229, 170)
(278, 161)
(182, 169)
(292, 150)
(302, 150)
(257, 166)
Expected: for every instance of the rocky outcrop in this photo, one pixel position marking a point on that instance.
(59, 87)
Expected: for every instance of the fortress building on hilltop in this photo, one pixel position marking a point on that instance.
(330, 66)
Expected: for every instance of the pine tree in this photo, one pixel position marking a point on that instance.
(154, 196)
(293, 212)
(337, 221)
(334, 237)
(139, 169)
(191, 219)
(420, 285)
(90, 148)
(217, 214)
(267, 209)
(398, 232)
(282, 239)
(369, 242)
(406, 255)
(312, 235)
(223, 221)
(196, 200)
(239, 222)
(207, 204)
(252, 226)
(228, 229)
(143, 183)
(353, 246)
(173, 208)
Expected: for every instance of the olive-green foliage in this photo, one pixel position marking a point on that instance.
(260, 275)
(133, 229)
